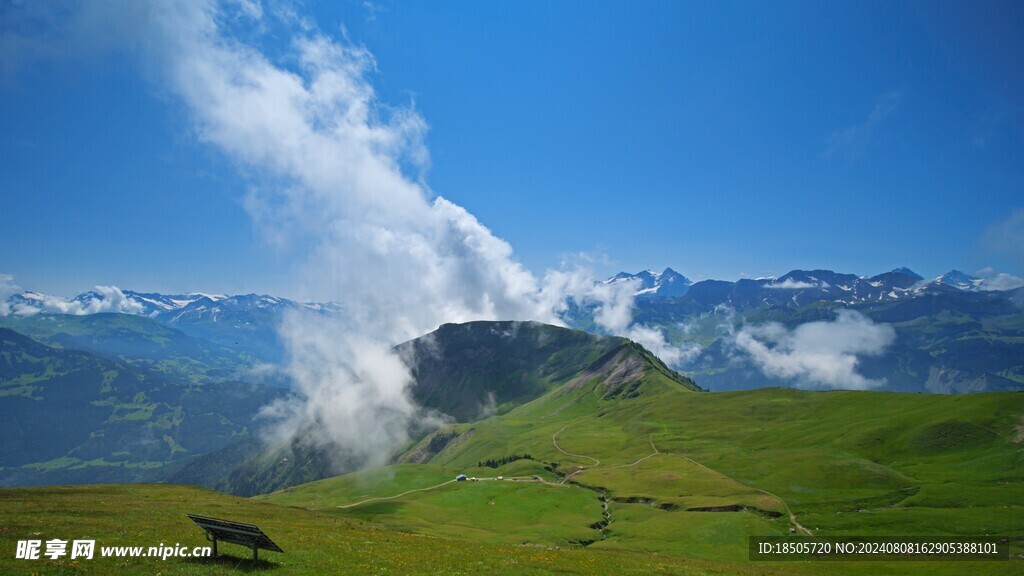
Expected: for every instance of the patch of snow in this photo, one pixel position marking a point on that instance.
(156, 303)
(178, 304)
(214, 297)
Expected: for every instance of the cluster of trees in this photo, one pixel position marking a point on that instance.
(494, 463)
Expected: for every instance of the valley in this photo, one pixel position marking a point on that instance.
(571, 443)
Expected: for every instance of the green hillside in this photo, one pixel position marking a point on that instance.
(695, 474)
(139, 341)
(468, 371)
(68, 416)
(480, 368)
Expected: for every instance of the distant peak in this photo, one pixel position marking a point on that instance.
(906, 271)
(670, 275)
(957, 274)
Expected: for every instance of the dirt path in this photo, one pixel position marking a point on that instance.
(508, 479)
(652, 454)
(792, 517)
(579, 468)
(395, 496)
(555, 442)
(604, 500)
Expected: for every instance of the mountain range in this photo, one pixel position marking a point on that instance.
(953, 333)
(801, 287)
(245, 322)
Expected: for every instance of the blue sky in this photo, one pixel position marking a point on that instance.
(722, 139)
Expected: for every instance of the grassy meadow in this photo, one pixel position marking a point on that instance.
(646, 476)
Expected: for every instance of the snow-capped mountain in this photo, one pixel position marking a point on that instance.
(969, 283)
(667, 283)
(247, 322)
(226, 319)
(803, 287)
(159, 303)
(958, 279)
(182, 308)
(145, 303)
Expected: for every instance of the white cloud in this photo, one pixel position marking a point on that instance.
(337, 183)
(614, 313)
(102, 299)
(354, 392)
(992, 280)
(653, 339)
(790, 284)
(817, 354)
(331, 162)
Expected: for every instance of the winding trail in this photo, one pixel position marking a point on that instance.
(789, 511)
(553, 441)
(579, 468)
(602, 496)
(507, 479)
(652, 454)
(395, 496)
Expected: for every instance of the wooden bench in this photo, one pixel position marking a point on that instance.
(246, 535)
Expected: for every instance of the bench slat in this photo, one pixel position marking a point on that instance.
(248, 535)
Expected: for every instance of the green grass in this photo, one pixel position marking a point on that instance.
(674, 482)
(708, 535)
(505, 512)
(844, 463)
(317, 543)
(363, 485)
(314, 543)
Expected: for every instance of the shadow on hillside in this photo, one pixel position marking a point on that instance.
(240, 563)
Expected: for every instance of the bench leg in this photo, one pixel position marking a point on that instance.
(255, 554)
